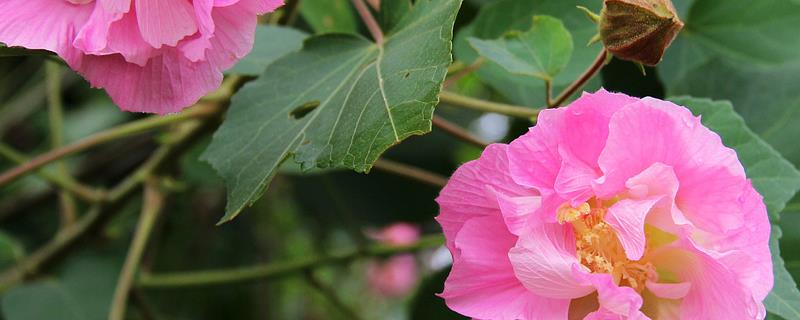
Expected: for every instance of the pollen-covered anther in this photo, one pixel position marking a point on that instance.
(599, 248)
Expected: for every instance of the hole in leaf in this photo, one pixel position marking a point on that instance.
(304, 109)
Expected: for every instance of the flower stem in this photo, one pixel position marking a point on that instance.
(133, 128)
(587, 75)
(151, 210)
(488, 106)
(461, 72)
(369, 20)
(458, 132)
(410, 172)
(56, 118)
(268, 271)
(66, 183)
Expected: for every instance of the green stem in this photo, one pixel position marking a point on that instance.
(458, 132)
(587, 75)
(66, 183)
(487, 106)
(56, 117)
(151, 210)
(268, 271)
(410, 172)
(369, 20)
(457, 71)
(133, 128)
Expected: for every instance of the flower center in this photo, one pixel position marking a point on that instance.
(598, 247)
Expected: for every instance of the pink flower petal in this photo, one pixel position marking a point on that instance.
(544, 259)
(165, 22)
(641, 135)
(482, 284)
(627, 218)
(669, 290)
(466, 195)
(715, 293)
(615, 302)
(517, 211)
(43, 24)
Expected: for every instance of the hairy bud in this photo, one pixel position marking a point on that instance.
(639, 30)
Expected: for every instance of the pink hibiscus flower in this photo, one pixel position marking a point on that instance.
(611, 208)
(398, 275)
(150, 55)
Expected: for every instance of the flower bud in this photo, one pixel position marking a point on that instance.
(639, 30)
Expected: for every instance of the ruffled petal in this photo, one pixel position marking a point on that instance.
(482, 284)
(165, 22)
(627, 218)
(93, 37)
(467, 195)
(43, 24)
(641, 135)
(544, 259)
(166, 84)
(716, 291)
(615, 302)
(517, 211)
(234, 33)
(570, 138)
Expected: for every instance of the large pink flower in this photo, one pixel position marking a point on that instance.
(611, 208)
(151, 56)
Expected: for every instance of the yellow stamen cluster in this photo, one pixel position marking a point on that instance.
(598, 247)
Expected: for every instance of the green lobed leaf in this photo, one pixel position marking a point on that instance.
(271, 43)
(742, 55)
(762, 32)
(542, 52)
(775, 178)
(499, 17)
(339, 102)
(328, 16)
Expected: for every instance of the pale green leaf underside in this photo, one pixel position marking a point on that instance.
(327, 16)
(339, 102)
(542, 52)
(775, 178)
(498, 17)
(271, 43)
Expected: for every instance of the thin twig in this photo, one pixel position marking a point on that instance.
(133, 128)
(587, 75)
(56, 116)
(84, 192)
(268, 271)
(410, 172)
(488, 106)
(330, 294)
(458, 132)
(100, 212)
(369, 20)
(451, 80)
(548, 92)
(151, 210)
